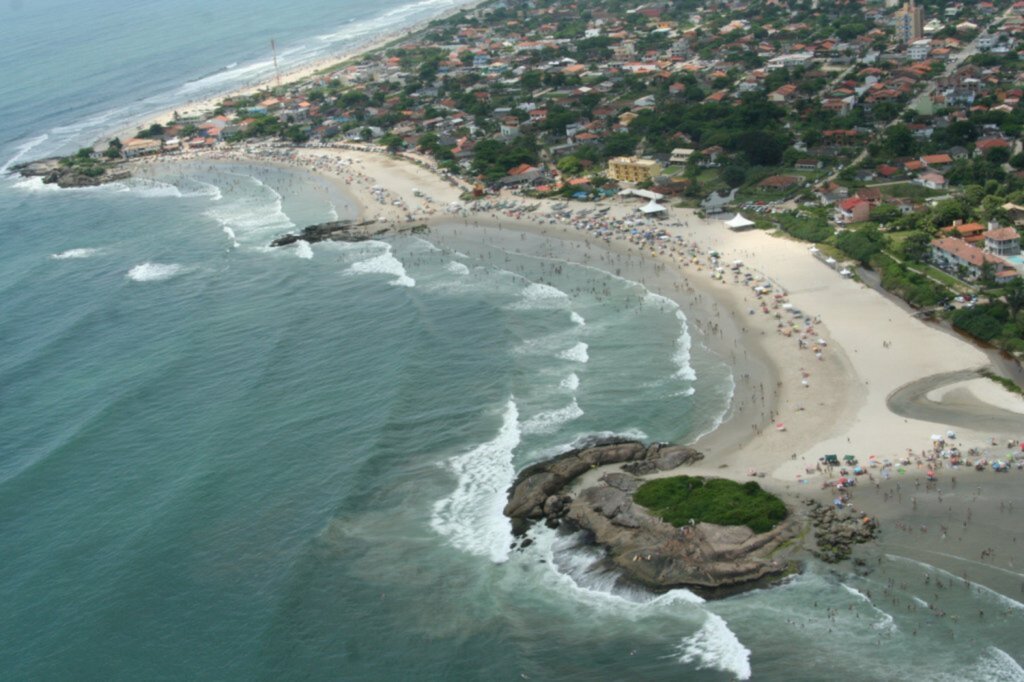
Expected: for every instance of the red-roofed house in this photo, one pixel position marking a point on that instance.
(987, 144)
(951, 254)
(972, 233)
(783, 94)
(932, 180)
(1003, 241)
(852, 210)
(936, 159)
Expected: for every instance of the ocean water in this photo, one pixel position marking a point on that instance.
(223, 461)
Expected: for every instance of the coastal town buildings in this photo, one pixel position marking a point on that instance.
(910, 23)
(633, 169)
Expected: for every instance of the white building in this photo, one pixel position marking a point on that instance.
(919, 49)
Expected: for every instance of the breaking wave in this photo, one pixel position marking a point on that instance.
(471, 517)
(154, 272)
(74, 253)
(716, 646)
(384, 264)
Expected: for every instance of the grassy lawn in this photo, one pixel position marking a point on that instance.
(944, 277)
(679, 499)
(910, 190)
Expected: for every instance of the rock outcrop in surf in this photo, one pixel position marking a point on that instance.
(643, 546)
(347, 231)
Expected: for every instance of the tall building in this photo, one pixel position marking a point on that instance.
(632, 169)
(910, 23)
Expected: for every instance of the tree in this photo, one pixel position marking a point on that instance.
(113, 148)
(899, 141)
(885, 213)
(734, 176)
(392, 142)
(861, 244)
(998, 155)
(1015, 295)
(916, 246)
(569, 165)
(987, 273)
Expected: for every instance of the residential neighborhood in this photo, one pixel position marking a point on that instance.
(863, 127)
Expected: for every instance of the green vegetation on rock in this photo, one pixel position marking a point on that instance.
(679, 499)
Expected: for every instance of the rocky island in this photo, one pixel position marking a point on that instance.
(650, 544)
(73, 171)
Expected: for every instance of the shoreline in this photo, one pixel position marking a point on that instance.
(842, 408)
(301, 71)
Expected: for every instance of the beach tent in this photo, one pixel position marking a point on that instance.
(642, 193)
(652, 208)
(738, 222)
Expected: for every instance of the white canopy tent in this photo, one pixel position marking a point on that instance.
(642, 193)
(738, 222)
(652, 208)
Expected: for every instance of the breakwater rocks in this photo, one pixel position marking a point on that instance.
(644, 547)
(347, 231)
(53, 172)
(836, 531)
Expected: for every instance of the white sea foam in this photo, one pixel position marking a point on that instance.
(231, 235)
(999, 665)
(577, 568)
(253, 217)
(721, 417)
(74, 253)
(651, 298)
(550, 420)
(154, 189)
(540, 296)
(570, 383)
(537, 291)
(210, 190)
(384, 264)
(716, 646)
(471, 517)
(577, 319)
(154, 272)
(303, 249)
(22, 150)
(457, 268)
(333, 213)
(682, 356)
(885, 621)
(577, 353)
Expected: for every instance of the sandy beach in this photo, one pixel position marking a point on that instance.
(808, 383)
(127, 129)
